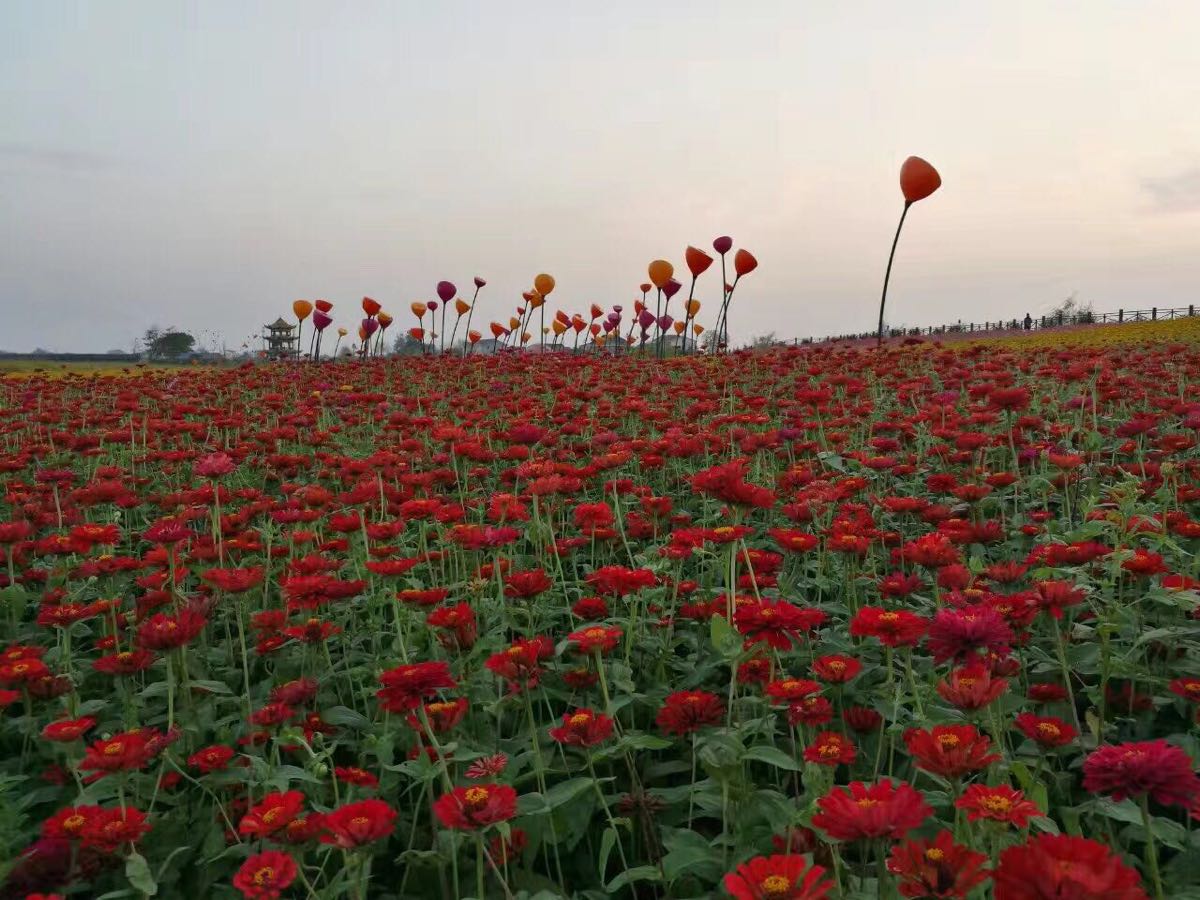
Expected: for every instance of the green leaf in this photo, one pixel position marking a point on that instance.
(772, 756)
(727, 642)
(607, 842)
(688, 853)
(638, 873)
(645, 742)
(137, 870)
(343, 715)
(566, 791)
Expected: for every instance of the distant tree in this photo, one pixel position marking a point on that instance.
(168, 344)
(762, 341)
(1073, 309)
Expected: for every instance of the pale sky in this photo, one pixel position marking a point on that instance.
(203, 164)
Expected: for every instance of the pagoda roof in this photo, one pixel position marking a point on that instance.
(280, 324)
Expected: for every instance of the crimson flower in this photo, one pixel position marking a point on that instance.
(1046, 731)
(265, 876)
(777, 623)
(67, 730)
(583, 728)
(597, 638)
(404, 687)
(836, 668)
(1000, 803)
(727, 482)
(937, 868)
(108, 829)
(892, 628)
(684, 712)
(950, 750)
(830, 748)
(271, 814)
(357, 824)
(1156, 768)
(961, 634)
(971, 687)
(777, 877)
(476, 807)
(1064, 867)
(619, 581)
(883, 810)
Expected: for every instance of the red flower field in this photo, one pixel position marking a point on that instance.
(804, 623)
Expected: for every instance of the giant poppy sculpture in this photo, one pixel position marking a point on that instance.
(918, 179)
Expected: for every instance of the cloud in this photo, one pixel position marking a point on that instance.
(1174, 193)
(53, 158)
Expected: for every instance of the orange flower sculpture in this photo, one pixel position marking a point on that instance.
(918, 179)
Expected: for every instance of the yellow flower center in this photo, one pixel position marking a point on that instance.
(1049, 729)
(476, 796)
(272, 814)
(933, 854)
(888, 617)
(996, 804)
(73, 823)
(263, 876)
(866, 802)
(948, 740)
(580, 719)
(775, 886)
(360, 821)
(836, 665)
(594, 633)
(116, 748)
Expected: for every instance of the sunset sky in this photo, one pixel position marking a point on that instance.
(203, 164)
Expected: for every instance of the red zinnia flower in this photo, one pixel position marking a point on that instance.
(127, 662)
(487, 766)
(886, 809)
(526, 585)
(686, 711)
(211, 759)
(727, 483)
(959, 634)
(790, 690)
(122, 752)
(404, 687)
(1157, 768)
(520, 664)
(165, 632)
(937, 868)
(356, 776)
(583, 728)
(108, 829)
(1063, 867)
(475, 807)
(949, 750)
(266, 875)
(971, 687)
(618, 581)
(836, 668)
(892, 628)
(778, 623)
(356, 824)
(1046, 731)
(67, 730)
(778, 877)
(272, 814)
(999, 803)
(596, 637)
(830, 748)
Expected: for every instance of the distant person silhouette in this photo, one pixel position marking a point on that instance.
(1028, 321)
